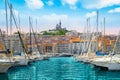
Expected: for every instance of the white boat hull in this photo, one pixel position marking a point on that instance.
(100, 64)
(113, 66)
(110, 64)
(20, 60)
(86, 60)
(5, 66)
(23, 62)
(101, 61)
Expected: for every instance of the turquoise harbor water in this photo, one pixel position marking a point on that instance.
(61, 68)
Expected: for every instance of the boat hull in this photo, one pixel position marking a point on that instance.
(23, 62)
(5, 66)
(111, 63)
(100, 64)
(113, 66)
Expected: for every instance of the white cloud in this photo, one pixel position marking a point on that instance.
(71, 3)
(49, 21)
(114, 10)
(55, 17)
(50, 2)
(34, 4)
(92, 14)
(98, 4)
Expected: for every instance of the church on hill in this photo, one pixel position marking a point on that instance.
(58, 27)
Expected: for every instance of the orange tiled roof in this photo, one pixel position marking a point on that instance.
(75, 40)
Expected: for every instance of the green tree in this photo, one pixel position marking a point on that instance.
(59, 32)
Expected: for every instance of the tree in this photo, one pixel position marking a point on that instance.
(59, 32)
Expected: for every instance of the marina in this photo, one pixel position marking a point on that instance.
(32, 47)
(59, 68)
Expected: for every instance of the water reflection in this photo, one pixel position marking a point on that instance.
(59, 69)
(107, 75)
(4, 77)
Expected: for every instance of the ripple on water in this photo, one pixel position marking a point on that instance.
(60, 68)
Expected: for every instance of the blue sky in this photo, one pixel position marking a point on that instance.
(72, 13)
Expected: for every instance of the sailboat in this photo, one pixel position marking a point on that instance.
(114, 63)
(96, 56)
(80, 56)
(23, 58)
(5, 55)
(111, 62)
(5, 64)
(86, 53)
(5, 58)
(102, 57)
(34, 54)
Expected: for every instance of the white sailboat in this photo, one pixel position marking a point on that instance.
(5, 57)
(34, 54)
(20, 60)
(23, 58)
(114, 63)
(5, 61)
(90, 54)
(111, 62)
(5, 64)
(84, 46)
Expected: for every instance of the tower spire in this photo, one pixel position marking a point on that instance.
(60, 24)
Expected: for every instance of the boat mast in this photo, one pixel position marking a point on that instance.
(30, 25)
(36, 42)
(3, 35)
(6, 24)
(6, 40)
(6, 16)
(10, 27)
(115, 45)
(3, 38)
(36, 25)
(84, 38)
(97, 31)
(19, 21)
(117, 39)
(86, 35)
(89, 26)
(104, 37)
(19, 34)
(36, 36)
